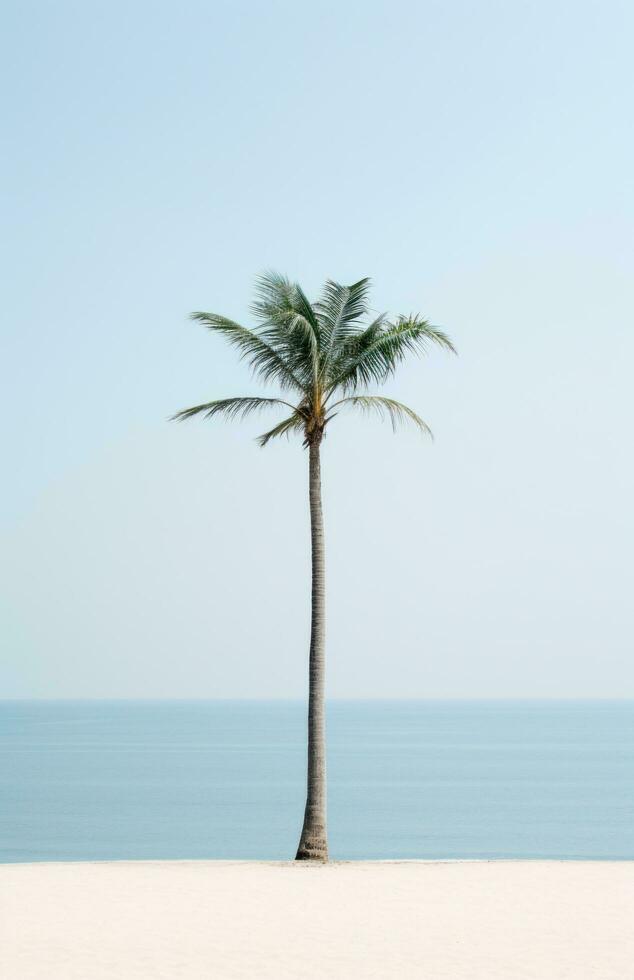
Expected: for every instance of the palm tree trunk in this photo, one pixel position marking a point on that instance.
(313, 844)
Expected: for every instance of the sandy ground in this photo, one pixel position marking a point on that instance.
(217, 920)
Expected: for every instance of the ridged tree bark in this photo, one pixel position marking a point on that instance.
(313, 844)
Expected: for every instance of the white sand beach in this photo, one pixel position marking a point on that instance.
(214, 919)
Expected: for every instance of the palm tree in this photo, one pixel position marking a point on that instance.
(323, 359)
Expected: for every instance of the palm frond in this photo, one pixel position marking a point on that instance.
(289, 324)
(229, 407)
(282, 303)
(377, 360)
(266, 363)
(395, 411)
(352, 348)
(339, 309)
(273, 298)
(293, 423)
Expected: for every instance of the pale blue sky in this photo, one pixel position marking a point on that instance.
(476, 160)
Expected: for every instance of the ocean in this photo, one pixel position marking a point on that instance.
(121, 780)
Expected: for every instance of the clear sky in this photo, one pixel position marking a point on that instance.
(476, 160)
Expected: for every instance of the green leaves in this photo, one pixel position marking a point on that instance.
(374, 355)
(266, 362)
(339, 309)
(318, 351)
(230, 407)
(289, 324)
(386, 407)
(294, 423)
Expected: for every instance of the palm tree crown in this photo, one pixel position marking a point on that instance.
(320, 354)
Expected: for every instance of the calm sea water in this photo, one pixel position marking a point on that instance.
(118, 780)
